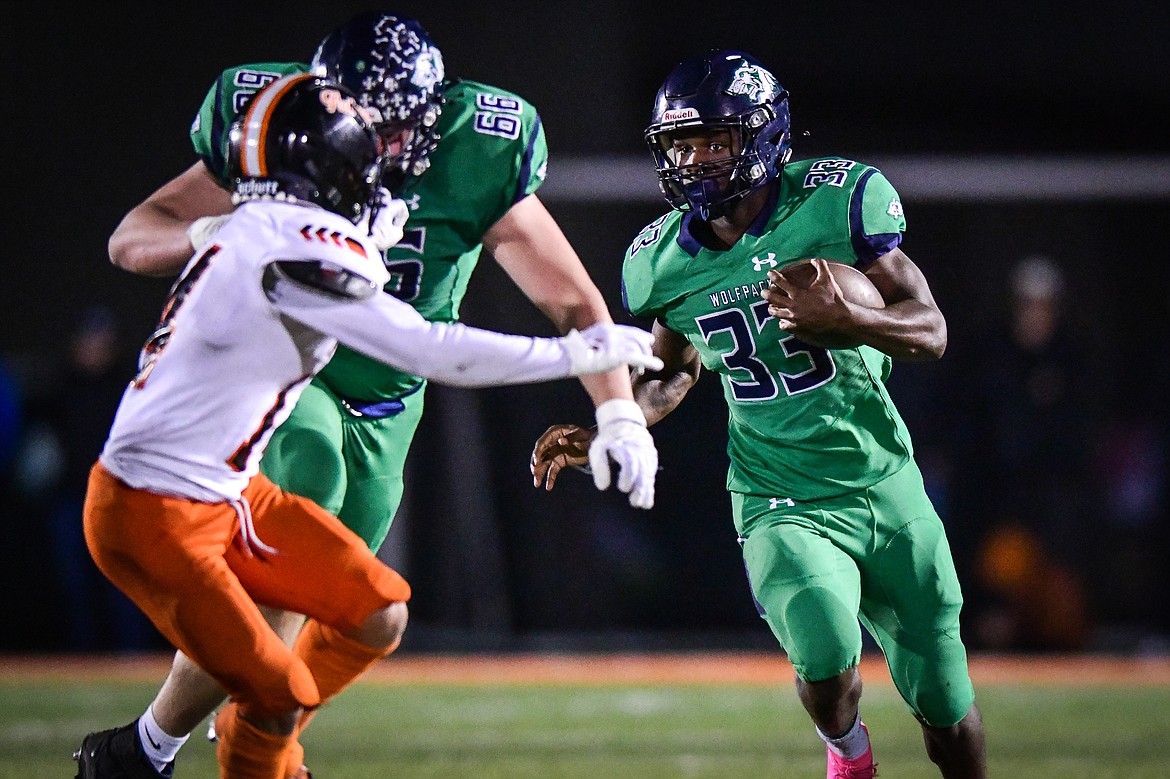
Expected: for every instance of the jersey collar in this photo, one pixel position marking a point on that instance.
(692, 245)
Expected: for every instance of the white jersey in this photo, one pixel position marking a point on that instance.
(237, 344)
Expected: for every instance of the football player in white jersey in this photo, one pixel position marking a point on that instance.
(177, 514)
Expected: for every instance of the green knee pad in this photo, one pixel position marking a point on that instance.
(932, 678)
(808, 595)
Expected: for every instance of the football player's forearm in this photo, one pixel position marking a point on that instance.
(588, 311)
(575, 305)
(152, 239)
(909, 330)
(150, 243)
(659, 394)
(389, 330)
(607, 386)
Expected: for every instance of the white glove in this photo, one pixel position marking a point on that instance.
(603, 347)
(204, 227)
(622, 437)
(389, 221)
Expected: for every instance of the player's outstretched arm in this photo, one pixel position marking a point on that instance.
(156, 238)
(350, 308)
(531, 248)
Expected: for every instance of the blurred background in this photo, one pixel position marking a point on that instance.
(1027, 142)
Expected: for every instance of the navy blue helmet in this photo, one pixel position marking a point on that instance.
(396, 71)
(303, 138)
(722, 89)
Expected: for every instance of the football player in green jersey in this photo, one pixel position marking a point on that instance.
(470, 158)
(836, 527)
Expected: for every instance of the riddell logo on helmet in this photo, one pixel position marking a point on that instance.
(678, 114)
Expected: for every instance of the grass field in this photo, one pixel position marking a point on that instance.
(602, 717)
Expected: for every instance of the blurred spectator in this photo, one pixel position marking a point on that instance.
(1032, 485)
(1134, 536)
(1132, 452)
(1036, 604)
(67, 428)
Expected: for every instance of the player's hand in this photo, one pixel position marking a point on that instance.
(201, 230)
(819, 307)
(602, 347)
(561, 446)
(389, 220)
(622, 438)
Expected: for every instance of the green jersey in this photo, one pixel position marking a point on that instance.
(492, 154)
(225, 102)
(805, 422)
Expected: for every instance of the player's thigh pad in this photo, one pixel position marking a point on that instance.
(374, 452)
(304, 455)
(167, 555)
(317, 566)
(912, 599)
(806, 588)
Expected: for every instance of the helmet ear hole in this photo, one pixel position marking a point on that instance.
(760, 117)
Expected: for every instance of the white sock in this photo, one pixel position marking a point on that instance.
(850, 746)
(159, 746)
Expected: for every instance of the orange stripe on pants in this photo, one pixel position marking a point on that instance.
(184, 563)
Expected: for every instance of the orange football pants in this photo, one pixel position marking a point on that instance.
(197, 571)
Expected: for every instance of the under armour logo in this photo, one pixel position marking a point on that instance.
(774, 503)
(412, 204)
(759, 264)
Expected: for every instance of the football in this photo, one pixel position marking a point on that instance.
(855, 285)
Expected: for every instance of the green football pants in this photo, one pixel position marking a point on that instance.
(878, 557)
(351, 466)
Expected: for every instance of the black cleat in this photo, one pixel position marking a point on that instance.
(116, 754)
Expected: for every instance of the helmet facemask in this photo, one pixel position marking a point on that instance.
(397, 74)
(406, 147)
(340, 184)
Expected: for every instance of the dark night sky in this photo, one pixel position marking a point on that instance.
(104, 94)
(99, 97)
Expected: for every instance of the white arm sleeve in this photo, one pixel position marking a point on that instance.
(389, 330)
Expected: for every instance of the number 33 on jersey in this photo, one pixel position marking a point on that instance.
(825, 401)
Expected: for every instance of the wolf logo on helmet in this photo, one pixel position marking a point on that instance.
(755, 82)
(721, 90)
(428, 69)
